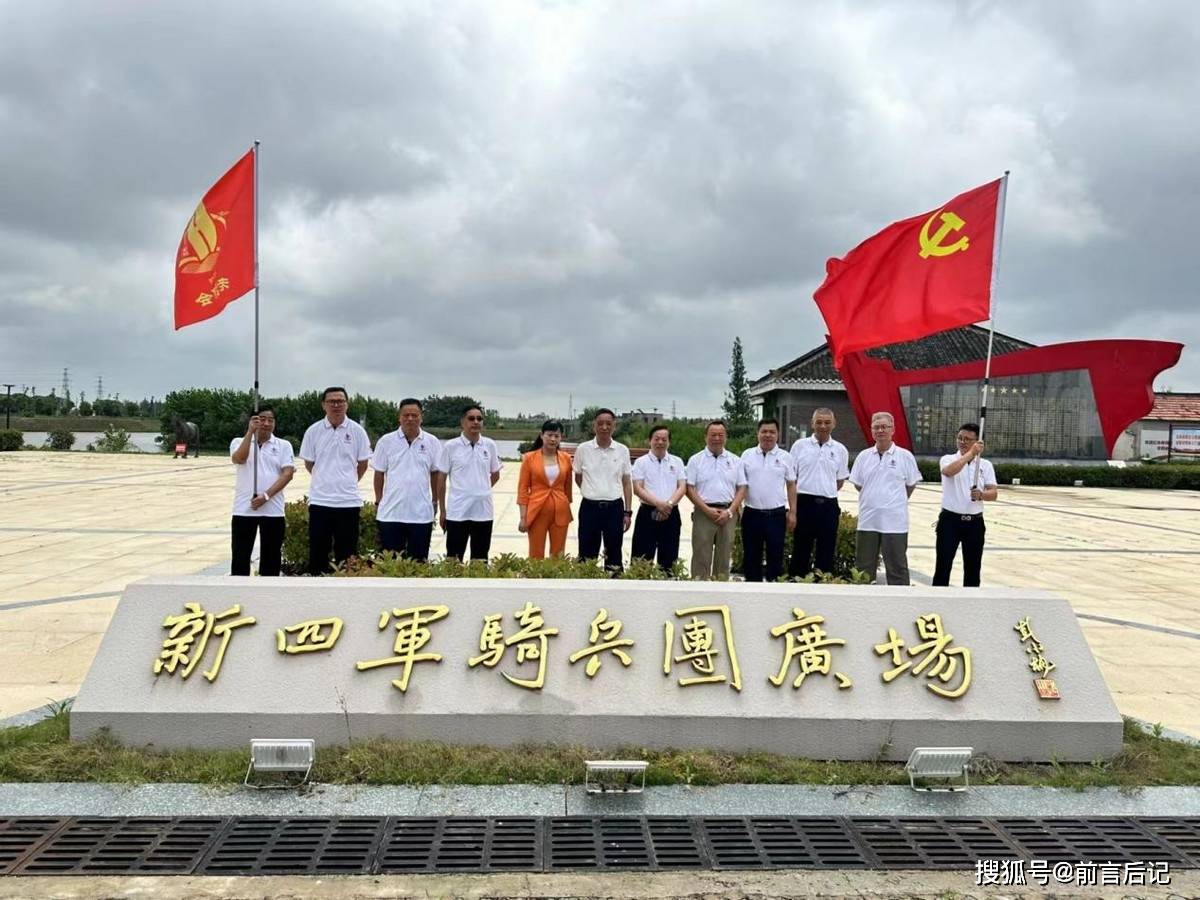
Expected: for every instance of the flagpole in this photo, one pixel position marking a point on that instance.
(994, 289)
(254, 441)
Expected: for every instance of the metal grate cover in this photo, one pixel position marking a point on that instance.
(782, 842)
(19, 836)
(361, 845)
(1088, 839)
(461, 844)
(295, 846)
(94, 846)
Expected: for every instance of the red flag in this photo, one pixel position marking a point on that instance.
(919, 276)
(215, 263)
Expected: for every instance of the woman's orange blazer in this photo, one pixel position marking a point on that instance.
(534, 491)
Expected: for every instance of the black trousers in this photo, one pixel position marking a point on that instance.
(602, 520)
(331, 526)
(409, 539)
(652, 537)
(952, 530)
(816, 523)
(478, 533)
(763, 529)
(270, 548)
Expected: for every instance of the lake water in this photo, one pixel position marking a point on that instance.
(144, 441)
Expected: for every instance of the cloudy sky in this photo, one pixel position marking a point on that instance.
(523, 200)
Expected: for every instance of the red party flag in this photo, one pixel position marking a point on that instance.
(215, 263)
(917, 277)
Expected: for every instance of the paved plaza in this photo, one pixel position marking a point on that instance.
(75, 528)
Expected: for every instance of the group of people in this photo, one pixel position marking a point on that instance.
(419, 479)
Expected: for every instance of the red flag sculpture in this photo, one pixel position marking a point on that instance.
(215, 263)
(918, 276)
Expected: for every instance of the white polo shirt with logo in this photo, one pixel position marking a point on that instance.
(715, 478)
(956, 490)
(603, 469)
(884, 480)
(767, 475)
(819, 467)
(335, 454)
(660, 477)
(469, 468)
(273, 457)
(407, 493)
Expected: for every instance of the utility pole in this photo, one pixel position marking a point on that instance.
(99, 387)
(8, 404)
(571, 407)
(672, 410)
(66, 391)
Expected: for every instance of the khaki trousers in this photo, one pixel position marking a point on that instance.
(712, 547)
(895, 555)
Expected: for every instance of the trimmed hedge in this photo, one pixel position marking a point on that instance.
(1163, 477)
(373, 563)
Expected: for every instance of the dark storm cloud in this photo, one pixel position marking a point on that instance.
(497, 198)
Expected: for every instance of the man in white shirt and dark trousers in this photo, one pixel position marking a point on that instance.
(770, 510)
(335, 450)
(822, 466)
(716, 486)
(603, 475)
(660, 482)
(967, 481)
(471, 464)
(259, 513)
(885, 476)
(405, 463)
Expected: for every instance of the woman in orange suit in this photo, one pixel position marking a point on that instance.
(544, 493)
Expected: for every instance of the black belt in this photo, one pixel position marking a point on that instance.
(775, 511)
(965, 517)
(602, 502)
(718, 505)
(815, 498)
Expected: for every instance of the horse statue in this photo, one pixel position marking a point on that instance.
(187, 434)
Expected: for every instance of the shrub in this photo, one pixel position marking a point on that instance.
(11, 439)
(114, 440)
(843, 559)
(60, 440)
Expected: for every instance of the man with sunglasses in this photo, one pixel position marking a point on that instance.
(259, 514)
(335, 451)
(967, 481)
(471, 464)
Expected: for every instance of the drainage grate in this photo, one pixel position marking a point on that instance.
(19, 836)
(781, 841)
(299, 846)
(461, 844)
(1181, 834)
(1090, 840)
(931, 843)
(623, 842)
(94, 846)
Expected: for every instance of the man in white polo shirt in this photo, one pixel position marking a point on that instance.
(603, 475)
(335, 450)
(822, 466)
(885, 476)
(471, 464)
(967, 481)
(716, 486)
(259, 511)
(659, 480)
(405, 463)
(770, 511)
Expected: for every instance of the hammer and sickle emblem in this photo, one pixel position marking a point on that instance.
(932, 246)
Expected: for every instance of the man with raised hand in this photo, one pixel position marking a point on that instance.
(405, 463)
(967, 481)
(335, 451)
(259, 513)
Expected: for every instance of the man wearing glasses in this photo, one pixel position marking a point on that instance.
(471, 463)
(259, 513)
(967, 480)
(335, 450)
(885, 476)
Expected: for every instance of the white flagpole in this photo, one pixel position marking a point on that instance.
(994, 289)
(254, 440)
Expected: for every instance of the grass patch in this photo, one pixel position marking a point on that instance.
(43, 752)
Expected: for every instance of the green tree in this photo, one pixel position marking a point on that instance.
(446, 412)
(738, 411)
(585, 422)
